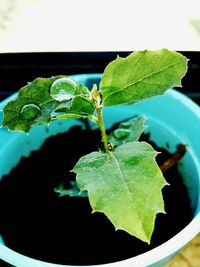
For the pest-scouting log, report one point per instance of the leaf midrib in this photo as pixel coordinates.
(127, 186)
(122, 177)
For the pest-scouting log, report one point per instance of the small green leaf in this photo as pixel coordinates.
(141, 75)
(80, 107)
(128, 131)
(125, 185)
(71, 192)
(47, 99)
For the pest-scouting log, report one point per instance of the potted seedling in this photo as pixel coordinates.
(121, 178)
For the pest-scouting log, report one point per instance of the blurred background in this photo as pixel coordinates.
(94, 25)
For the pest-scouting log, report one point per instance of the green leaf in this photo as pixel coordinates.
(127, 131)
(47, 99)
(81, 107)
(141, 75)
(71, 192)
(125, 185)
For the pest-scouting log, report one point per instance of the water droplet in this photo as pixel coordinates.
(30, 112)
(63, 89)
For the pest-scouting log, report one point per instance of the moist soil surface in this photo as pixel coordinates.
(37, 223)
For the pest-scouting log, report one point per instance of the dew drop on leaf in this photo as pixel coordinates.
(63, 89)
(30, 112)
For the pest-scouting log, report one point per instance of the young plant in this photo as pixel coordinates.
(122, 180)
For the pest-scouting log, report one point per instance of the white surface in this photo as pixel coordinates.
(101, 25)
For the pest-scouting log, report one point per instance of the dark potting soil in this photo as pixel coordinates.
(36, 222)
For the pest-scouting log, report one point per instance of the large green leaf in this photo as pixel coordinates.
(127, 131)
(47, 99)
(125, 185)
(141, 75)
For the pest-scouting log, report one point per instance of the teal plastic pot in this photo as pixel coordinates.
(172, 119)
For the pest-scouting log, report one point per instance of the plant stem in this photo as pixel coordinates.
(174, 159)
(99, 120)
(102, 128)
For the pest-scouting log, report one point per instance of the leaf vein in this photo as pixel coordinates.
(132, 69)
(122, 177)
